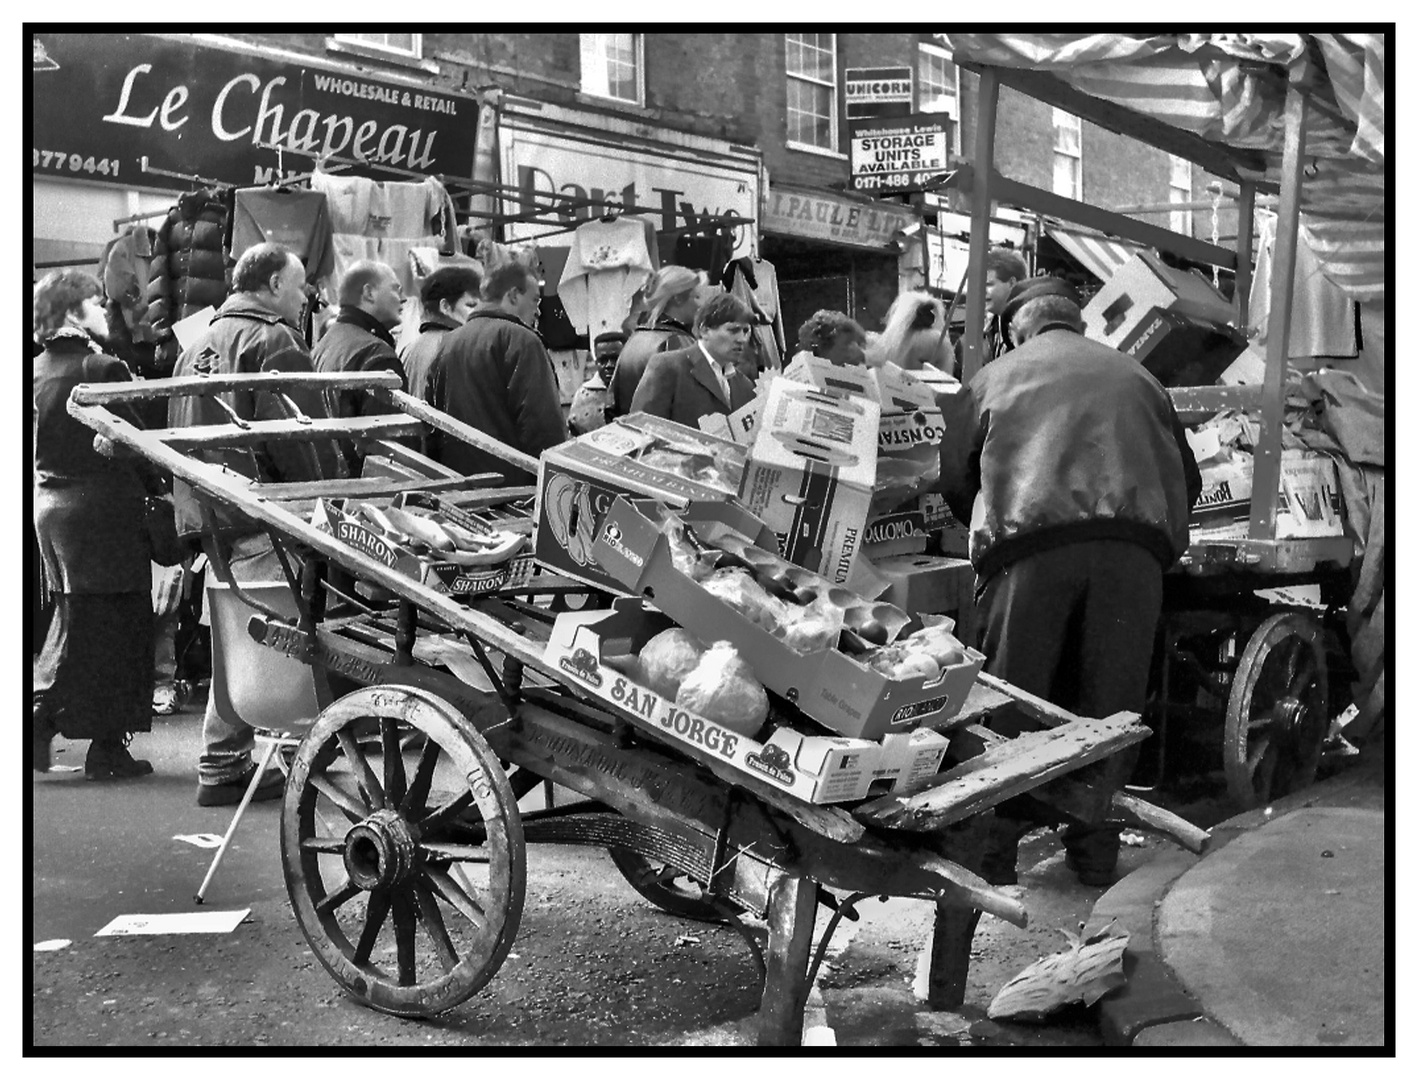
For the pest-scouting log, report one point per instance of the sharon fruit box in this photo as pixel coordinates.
(840, 691)
(585, 646)
(339, 518)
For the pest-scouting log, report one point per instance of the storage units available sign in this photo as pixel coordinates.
(103, 102)
(897, 155)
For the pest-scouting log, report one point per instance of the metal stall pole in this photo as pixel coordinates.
(1245, 242)
(1265, 487)
(984, 165)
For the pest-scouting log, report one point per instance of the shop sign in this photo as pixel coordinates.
(820, 216)
(898, 155)
(878, 91)
(103, 102)
(580, 176)
(947, 258)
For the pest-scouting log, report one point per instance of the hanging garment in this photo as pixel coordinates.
(386, 221)
(1321, 316)
(295, 219)
(608, 263)
(707, 251)
(125, 270)
(393, 253)
(755, 282)
(188, 268)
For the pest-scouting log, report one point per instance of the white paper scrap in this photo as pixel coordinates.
(52, 945)
(176, 922)
(190, 329)
(65, 768)
(201, 839)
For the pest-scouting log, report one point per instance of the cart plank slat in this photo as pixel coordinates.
(214, 436)
(1003, 771)
(436, 418)
(370, 487)
(264, 381)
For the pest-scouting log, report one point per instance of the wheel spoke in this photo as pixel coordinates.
(1257, 751)
(348, 805)
(1265, 776)
(346, 890)
(432, 920)
(374, 914)
(454, 893)
(404, 926)
(1301, 679)
(416, 798)
(1259, 725)
(455, 852)
(446, 812)
(369, 788)
(329, 845)
(393, 761)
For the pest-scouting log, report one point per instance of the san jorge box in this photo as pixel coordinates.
(811, 473)
(578, 481)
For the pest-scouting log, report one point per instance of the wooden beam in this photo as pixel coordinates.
(258, 432)
(1197, 403)
(792, 910)
(373, 487)
(1004, 771)
(1227, 162)
(194, 385)
(1245, 242)
(1265, 484)
(980, 196)
(466, 432)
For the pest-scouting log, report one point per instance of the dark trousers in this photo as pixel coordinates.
(1074, 625)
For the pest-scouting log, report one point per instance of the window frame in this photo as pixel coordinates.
(1174, 189)
(835, 114)
(939, 53)
(353, 45)
(637, 42)
(1077, 193)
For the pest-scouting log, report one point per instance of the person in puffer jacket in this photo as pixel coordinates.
(1067, 459)
(253, 330)
(188, 271)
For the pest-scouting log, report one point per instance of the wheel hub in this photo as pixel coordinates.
(1295, 722)
(380, 852)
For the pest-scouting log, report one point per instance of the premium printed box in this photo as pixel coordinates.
(815, 768)
(811, 474)
(841, 692)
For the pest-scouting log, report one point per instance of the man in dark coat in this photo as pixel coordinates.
(689, 383)
(1067, 459)
(253, 330)
(494, 374)
(359, 338)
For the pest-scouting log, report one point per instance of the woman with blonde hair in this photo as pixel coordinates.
(914, 335)
(670, 300)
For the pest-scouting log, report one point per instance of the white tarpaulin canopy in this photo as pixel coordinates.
(1230, 90)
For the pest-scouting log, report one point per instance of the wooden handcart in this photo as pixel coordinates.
(403, 846)
(1265, 666)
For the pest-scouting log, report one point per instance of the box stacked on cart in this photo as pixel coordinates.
(851, 665)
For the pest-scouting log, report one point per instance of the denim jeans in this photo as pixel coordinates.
(227, 744)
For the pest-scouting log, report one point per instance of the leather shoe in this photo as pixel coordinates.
(1091, 875)
(272, 786)
(40, 758)
(110, 760)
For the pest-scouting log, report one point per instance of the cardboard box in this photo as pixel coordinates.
(811, 473)
(330, 516)
(838, 691)
(902, 532)
(577, 482)
(814, 768)
(927, 583)
(1309, 502)
(1145, 283)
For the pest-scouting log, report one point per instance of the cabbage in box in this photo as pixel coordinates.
(815, 768)
(811, 473)
(841, 692)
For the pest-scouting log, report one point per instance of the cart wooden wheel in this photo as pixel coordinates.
(403, 851)
(1277, 714)
(667, 887)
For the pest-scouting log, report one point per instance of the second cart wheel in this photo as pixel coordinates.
(667, 887)
(403, 851)
(1277, 714)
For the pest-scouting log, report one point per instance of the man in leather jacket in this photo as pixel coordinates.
(1067, 459)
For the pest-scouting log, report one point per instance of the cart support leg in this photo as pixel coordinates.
(792, 912)
(950, 955)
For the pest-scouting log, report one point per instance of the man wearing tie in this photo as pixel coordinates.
(704, 378)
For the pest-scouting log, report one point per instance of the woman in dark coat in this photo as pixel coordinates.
(672, 299)
(93, 677)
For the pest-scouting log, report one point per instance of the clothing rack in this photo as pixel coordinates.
(289, 181)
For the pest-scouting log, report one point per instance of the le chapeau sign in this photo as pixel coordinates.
(103, 102)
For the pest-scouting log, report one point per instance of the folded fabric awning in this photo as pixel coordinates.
(1099, 255)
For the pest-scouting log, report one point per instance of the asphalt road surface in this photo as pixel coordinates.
(592, 965)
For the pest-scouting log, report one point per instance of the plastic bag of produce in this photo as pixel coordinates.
(814, 627)
(737, 588)
(667, 658)
(723, 689)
